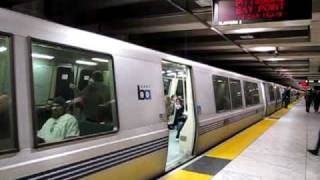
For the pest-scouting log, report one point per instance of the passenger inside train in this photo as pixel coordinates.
(60, 125)
(84, 80)
(94, 98)
(4, 113)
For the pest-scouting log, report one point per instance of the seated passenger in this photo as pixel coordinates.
(4, 116)
(4, 102)
(61, 125)
(44, 112)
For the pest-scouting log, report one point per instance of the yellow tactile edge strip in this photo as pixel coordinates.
(234, 146)
(187, 175)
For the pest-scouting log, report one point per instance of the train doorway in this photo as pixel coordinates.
(179, 112)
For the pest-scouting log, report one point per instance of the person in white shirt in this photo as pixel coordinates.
(60, 125)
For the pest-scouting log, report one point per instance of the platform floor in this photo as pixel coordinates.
(273, 149)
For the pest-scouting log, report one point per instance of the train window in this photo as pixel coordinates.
(8, 141)
(251, 93)
(166, 85)
(235, 91)
(278, 93)
(74, 93)
(221, 93)
(271, 92)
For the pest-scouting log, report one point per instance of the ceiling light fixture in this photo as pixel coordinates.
(275, 59)
(42, 56)
(89, 63)
(247, 37)
(100, 60)
(246, 30)
(2, 49)
(172, 74)
(263, 48)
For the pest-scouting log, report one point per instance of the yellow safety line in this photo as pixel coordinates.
(187, 175)
(279, 114)
(234, 146)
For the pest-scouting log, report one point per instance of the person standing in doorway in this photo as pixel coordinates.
(180, 117)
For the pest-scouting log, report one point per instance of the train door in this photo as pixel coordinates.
(179, 112)
(83, 79)
(278, 98)
(264, 97)
(63, 79)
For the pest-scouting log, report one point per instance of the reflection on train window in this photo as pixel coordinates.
(7, 119)
(221, 93)
(251, 93)
(73, 93)
(236, 95)
(271, 92)
(278, 93)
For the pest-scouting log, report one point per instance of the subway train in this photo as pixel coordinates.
(74, 104)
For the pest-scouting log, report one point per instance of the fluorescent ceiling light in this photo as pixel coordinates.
(275, 59)
(2, 49)
(263, 48)
(181, 75)
(172, 74)
(247, 37)
(100, 60)
(41, 56)
(247, 30)
(89, 63)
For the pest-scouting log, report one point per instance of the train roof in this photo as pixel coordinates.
(37, 28)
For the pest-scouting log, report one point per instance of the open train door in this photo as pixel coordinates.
(179, 112)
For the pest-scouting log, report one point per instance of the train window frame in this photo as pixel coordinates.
(32, 96)
(14, 120)
(241, 92)
(278, 93)
(214, 94)
(245, 95)
(271, 93)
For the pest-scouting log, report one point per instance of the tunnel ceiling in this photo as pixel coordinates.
(182, 27)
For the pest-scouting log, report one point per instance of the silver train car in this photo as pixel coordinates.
(116, 105)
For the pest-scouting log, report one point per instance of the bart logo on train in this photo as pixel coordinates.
(144, 92)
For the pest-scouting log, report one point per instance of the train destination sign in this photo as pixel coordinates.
(252, 11)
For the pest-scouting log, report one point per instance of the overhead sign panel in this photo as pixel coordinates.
(252, 11)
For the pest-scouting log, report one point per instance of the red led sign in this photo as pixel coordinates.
(260, 9)
(304, 85)
(248, 11)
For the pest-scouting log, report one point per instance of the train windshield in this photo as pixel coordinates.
(74, 93)
(7, 115)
